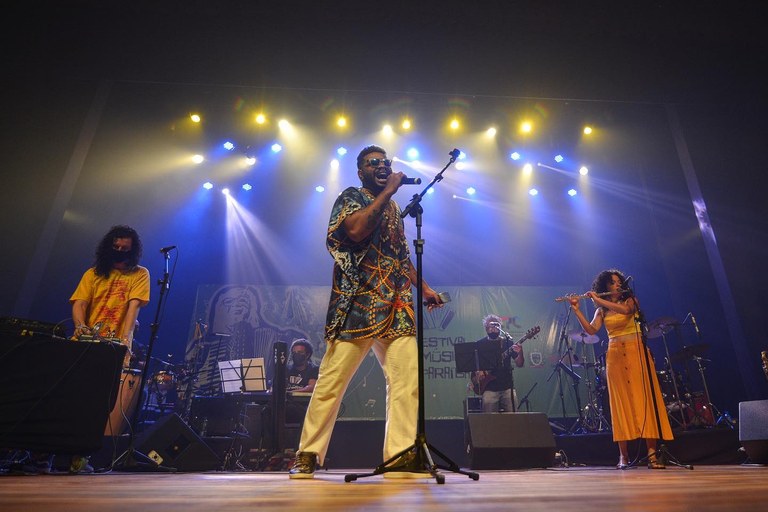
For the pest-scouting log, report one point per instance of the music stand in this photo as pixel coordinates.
(243, 375)
(477, 356)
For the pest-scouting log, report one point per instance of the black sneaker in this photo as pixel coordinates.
(304, 465)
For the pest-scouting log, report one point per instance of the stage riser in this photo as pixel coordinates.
(358, 444)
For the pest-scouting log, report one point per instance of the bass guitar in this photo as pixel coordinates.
(481, 379)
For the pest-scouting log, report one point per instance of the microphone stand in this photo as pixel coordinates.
(525, 401)
(662, 453)
(421, 448)
(512, 362)
(132, 459)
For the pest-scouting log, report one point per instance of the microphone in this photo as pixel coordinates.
(166, 249)
(625, 286)
(455, 153)
(695, 325)
(410, 181)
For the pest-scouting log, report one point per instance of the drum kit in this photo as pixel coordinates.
(686, 399)
(687, 407)
(594, 413)
(161, 392)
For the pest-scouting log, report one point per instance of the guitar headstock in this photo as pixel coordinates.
(533, 331)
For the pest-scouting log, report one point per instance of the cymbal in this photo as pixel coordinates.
(689, 352)
(582, 337)
(661, 326)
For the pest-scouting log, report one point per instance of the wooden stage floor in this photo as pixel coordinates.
(705, 488)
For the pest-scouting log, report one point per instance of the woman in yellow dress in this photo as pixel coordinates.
(628, 377)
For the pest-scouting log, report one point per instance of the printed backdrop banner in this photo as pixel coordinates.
(244, 321)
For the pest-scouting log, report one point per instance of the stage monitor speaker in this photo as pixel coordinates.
(510, 440)
(753, 430)
(172, 443)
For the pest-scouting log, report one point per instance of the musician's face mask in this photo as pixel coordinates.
(120, 256)
(121, 249)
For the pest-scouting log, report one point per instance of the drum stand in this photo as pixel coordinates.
(662, 453)
(680, 404)
(579, 426)
(721, 418)
(594, 420)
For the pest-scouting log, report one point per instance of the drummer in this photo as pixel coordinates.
(629, 382)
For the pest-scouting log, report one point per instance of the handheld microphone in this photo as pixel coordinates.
(410, 181)
(625, 286)
(166, 249)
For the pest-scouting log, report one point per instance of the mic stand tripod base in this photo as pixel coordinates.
(133, 460)
(415, 462)
(662, 455)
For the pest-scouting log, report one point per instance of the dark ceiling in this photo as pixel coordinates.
(640, 51)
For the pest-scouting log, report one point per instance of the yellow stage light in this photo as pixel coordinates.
(406, 124)
(195, 118)
(491, 132)
(454, 124)
(261, 119)
(198, 159)
(387, 129)
(526, 127)
(587, 130)
(341, 122)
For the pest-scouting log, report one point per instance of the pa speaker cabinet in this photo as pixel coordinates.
(55, 395)
(171, 442)
(510, 440)
(753, 430)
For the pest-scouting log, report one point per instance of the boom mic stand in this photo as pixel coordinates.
(421, 448)
(662, 453)
(132, 459)
(512, 363)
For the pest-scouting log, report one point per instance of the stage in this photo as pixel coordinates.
(573, 489)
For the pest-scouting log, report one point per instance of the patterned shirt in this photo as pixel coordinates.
(371, 295)
(108, 297)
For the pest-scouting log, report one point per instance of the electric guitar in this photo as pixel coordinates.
(481, 379)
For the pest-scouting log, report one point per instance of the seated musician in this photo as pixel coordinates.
(495, 385)
(302, 376)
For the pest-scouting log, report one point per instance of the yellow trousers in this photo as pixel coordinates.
(398, 358)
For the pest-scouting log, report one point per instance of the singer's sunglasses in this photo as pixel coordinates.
(375, 162)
